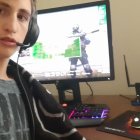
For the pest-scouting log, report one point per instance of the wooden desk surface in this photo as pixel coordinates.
(118, 104)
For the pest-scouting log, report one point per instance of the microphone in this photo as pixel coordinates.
(22, 46)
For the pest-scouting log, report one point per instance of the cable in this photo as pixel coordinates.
(92, 93)
(30, 108)
(125, 97)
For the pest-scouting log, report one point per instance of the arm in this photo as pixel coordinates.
(52, 117)
(83, 34)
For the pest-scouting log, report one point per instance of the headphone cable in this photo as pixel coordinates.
(30, 108)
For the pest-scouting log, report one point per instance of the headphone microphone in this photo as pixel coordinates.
(24, 46)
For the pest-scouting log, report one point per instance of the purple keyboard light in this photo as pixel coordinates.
(87, 114)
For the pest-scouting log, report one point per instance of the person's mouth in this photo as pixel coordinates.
(8, 41)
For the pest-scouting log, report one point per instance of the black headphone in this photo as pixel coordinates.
(33, 31)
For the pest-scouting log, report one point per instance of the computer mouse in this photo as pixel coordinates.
(135, 123)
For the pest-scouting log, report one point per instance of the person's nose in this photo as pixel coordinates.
(11, 25)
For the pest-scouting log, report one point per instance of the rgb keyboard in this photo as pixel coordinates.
(87, 114)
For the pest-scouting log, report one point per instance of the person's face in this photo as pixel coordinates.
(14, 20)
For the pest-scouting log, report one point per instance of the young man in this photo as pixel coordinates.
(27, 110)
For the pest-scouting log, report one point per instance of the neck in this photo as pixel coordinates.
(3, 69)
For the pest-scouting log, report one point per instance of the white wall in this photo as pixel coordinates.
(125, 15)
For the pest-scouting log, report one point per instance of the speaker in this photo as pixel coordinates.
(33, 31)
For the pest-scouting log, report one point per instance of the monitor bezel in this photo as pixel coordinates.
(109, 28)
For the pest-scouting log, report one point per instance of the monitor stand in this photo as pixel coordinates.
(69, 92)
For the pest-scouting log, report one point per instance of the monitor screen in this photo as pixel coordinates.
(75, 42)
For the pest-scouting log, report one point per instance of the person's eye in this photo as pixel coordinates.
(1, 10)
(23, 18)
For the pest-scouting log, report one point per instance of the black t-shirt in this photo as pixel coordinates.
(13, 117)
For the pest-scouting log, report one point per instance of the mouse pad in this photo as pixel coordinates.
(121, 126)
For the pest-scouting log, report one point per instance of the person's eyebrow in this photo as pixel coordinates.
(27, 12)
(4, 4)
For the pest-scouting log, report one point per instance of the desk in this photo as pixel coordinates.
(117, 104)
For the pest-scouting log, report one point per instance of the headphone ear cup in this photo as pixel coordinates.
(33, 31)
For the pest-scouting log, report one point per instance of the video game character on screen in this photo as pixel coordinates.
(84, 41)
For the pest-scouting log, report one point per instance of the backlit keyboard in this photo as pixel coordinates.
(87, 114)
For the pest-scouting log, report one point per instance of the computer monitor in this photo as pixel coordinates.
(74, 45)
